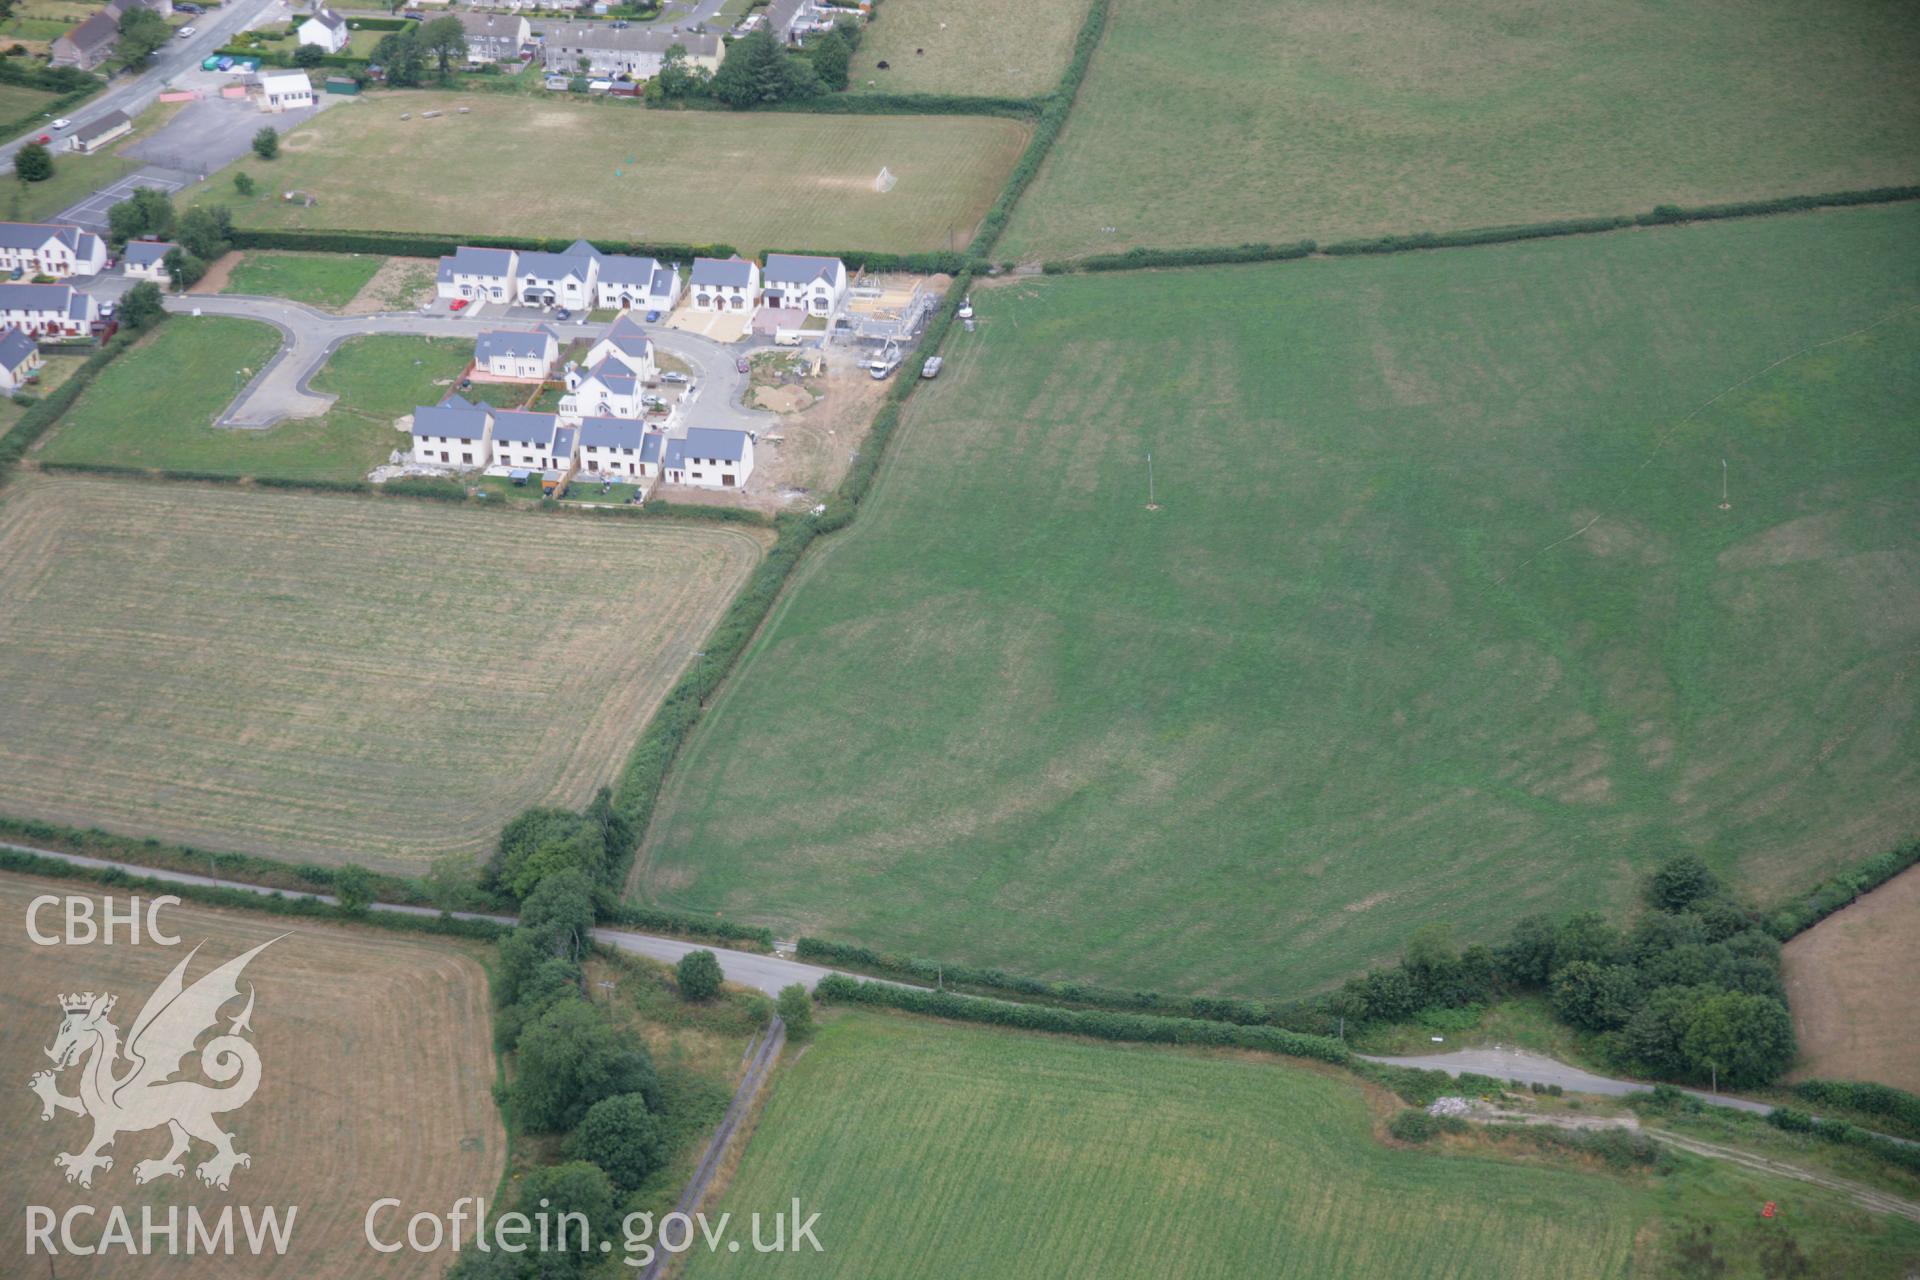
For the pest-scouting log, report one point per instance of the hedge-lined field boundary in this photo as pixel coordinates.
(47, 78)
(1881, 1100)
(1840, 890)
(1660, 216)
(37, 420)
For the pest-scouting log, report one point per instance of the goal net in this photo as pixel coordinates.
(884, 183)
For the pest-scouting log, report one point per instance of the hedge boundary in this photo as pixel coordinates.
(1869, 1099)
(10, 73)
(1660, 216)
(1839, 890)
(1097, 1024)
(35, 422)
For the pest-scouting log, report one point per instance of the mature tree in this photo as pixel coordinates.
(795, 1007)
(623, 1136)
(1739, 1039)
(1429, 948)
(1681, 881)
(141, 32)
(674, 79)
(1656, 1034)
(243, 181)
(551, 980)
(443, 40)
(400, 54)
(352, 884)
(578, 1187)
(617, 838)
(146, 212)
(569, 1059)
(205, 233)
(758, 70)
(140, 305)
(266, 143)
(309, 55)
(540, 842)
(6, 12)
(1595, 997)
(184, 269)
(559, 911)
(831, 56)
(1586, 936)
(1526, 958)
(33, 163)
(699, 975)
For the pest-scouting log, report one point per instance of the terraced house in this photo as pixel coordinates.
(602, 49)
(494, 37)
(48, 310)
(50, 249)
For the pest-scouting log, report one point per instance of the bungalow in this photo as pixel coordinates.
(478, 273)
(48, 310)
(521, 354)
(710, 458)
(19, 357)
(619, 447)
(89, 44)
(95, 134)
(147, 260)
(607, 390)
(326, 29)
(559, 279)
(494, 37)
(602, 49)
(50, 249)
(628, 344)
(725, 284)
(453, 433)
(284, 91)
(641, 284)
(523, 439)
(815, 285)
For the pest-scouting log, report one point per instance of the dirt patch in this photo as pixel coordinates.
(300, 140)
(1850, 982)
(790, 399)
(401, 284)
(219, 271)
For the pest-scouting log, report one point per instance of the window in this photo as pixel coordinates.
(466, 457)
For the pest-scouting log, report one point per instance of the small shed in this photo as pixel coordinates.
(345, 85)
(96, 134)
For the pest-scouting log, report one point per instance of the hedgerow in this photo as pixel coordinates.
(1140, 259)
(1870, 1099)
(910, 104)
(36, 421)
(1906, 1155)
(421, 244)
(660, 920)
(1840, 890)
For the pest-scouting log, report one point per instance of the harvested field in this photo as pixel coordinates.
(333, 679)
(755, 181)
(1854, 984)
(376, 1069)
(1218, 122)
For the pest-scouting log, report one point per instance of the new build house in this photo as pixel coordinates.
(453, 433)
(817, 286)
(19, 357)
(48, 310)
(638, 283)
(478, 273)
(607, 390)
(147, 260)
(619, 448)
(494, 37)
(523, 439)
(326, 29)
(579, 277)
(50, 249)
(520, 355)
(709, 458)
(627, 343)
(602, 49)
(725, 284)
(563, 279)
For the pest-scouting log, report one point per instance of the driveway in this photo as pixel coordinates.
(308, 337)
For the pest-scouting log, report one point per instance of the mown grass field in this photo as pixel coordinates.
(1439, 619)
(155, 406)
(1220, 123)
(752, 181)
(1001, 48)
(920, 1143)
(1856, 1008)
(323, 279)
(330, 678)
(376, 1080)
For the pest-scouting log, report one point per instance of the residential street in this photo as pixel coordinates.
(281, 389)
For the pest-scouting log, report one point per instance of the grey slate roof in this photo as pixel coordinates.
(98, 32)
(563, 442)
(611, 433)
(512, 426)
(146, 252)
(469, 261)
(521, 344)
(627, 335)
(328, 19)
(722, 443)
(445, 420)
(736, 271)
(615, 377)
(36, 297)
(454, 401)
(15, 347)
(798, 268)
(105, 125)
(557, 266)
(591, 36)
(32, 235)
(617, 268)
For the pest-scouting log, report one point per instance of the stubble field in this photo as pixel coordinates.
(376, 1070)
(1440, 618)
(1227, 121)
(755, 181)
(1850, 980)
(325, 678)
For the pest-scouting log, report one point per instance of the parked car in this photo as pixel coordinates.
(188, 8)
(44, 138)
(966, 308)
(741, 364)
(931, 369)
(186, 33)
(653, 317)
(62, 123)
(106, 311)
(673, 376)
(561, 313)
(458, 304)
(225, 63)
(111, 263)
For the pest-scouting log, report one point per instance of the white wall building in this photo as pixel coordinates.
(50, 249)
(523, 439)
(525, 355)
(625, 343)
(48, 310)
(817, 286)
(559, 279)
(453, 433)
(709, 458)
(326, 29)
(619, 448)
(19, 357)
(147, 260)
(725, 284)
(638, 283)
(608, 390)
(284, 91)
(636, 52)
(481, 274)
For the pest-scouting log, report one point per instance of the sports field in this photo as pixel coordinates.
(994, 48)
(755, 181)
(1440, 618)
(376, 1070)
(1850, 980)
(1216, 122)
(325, 678)
(919, 1143)
(155, 406)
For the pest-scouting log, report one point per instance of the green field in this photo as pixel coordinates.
(752, 181)
(17, 100)
(155, 406)
(324, 279)
(999, 48)
(1216, 122)
(1440, 617)
(922, 1144)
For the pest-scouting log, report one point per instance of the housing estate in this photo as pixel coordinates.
(95, 134)
(283, 91)
(50, 249)
(709, 458)
(725, 284)
(19, 357)
(326, 29)
(615, 447)
(602, 49)
(88, 44)
(563, 279)
(626, 342)
(147, 260)
(48, 310)
(640, 283)
(494, 37)
(578, 277)
(478, 273)
(521, 355)
(817, 286)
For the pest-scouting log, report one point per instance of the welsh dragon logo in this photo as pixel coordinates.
(129, 1089)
